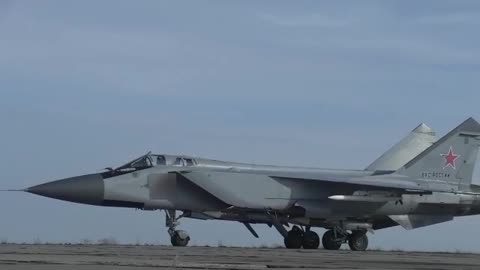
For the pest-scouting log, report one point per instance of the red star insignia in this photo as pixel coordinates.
(450, 159)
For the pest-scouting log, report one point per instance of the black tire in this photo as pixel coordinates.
(311, 240)
(180, 239)
(358, 241)
(294, 239)
(328, 241)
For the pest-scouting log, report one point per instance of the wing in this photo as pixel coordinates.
(280, 190)
(384, 181)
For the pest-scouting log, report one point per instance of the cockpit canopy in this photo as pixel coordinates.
(150, 160)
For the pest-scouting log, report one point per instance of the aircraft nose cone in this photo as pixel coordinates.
(87, 189)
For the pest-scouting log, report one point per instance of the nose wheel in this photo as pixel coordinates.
(178, 238)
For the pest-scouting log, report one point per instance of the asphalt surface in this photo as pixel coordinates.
(79, 257)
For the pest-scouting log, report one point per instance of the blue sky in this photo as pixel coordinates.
(90, 84)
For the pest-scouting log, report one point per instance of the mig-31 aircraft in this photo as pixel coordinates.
(419, 182)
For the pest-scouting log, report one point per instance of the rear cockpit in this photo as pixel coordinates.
(172, 160)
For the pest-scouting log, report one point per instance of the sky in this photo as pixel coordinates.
(89, 84)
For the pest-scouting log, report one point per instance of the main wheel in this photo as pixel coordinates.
(294, 239)
(311, 240)
(180, 239)
(329, 242)
(358, 241)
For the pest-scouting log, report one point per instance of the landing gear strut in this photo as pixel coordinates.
(334, 238)
(330, 241)
(178, 238)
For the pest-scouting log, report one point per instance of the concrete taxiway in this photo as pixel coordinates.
(79, 257)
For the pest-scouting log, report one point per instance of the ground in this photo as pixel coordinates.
(105, 257)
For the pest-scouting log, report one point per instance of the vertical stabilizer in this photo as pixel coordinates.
(405, 150)
(451, 159)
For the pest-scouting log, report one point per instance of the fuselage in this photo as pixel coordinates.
(157, 186)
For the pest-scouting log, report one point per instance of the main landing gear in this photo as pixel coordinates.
(297, 238)
(334, 238)
(178, 238)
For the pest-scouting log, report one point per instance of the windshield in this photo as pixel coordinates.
(141, 163)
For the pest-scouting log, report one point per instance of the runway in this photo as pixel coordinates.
(79, 257)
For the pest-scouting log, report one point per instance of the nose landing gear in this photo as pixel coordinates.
(178, 238)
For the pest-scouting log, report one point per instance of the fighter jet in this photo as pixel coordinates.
(419, 182)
